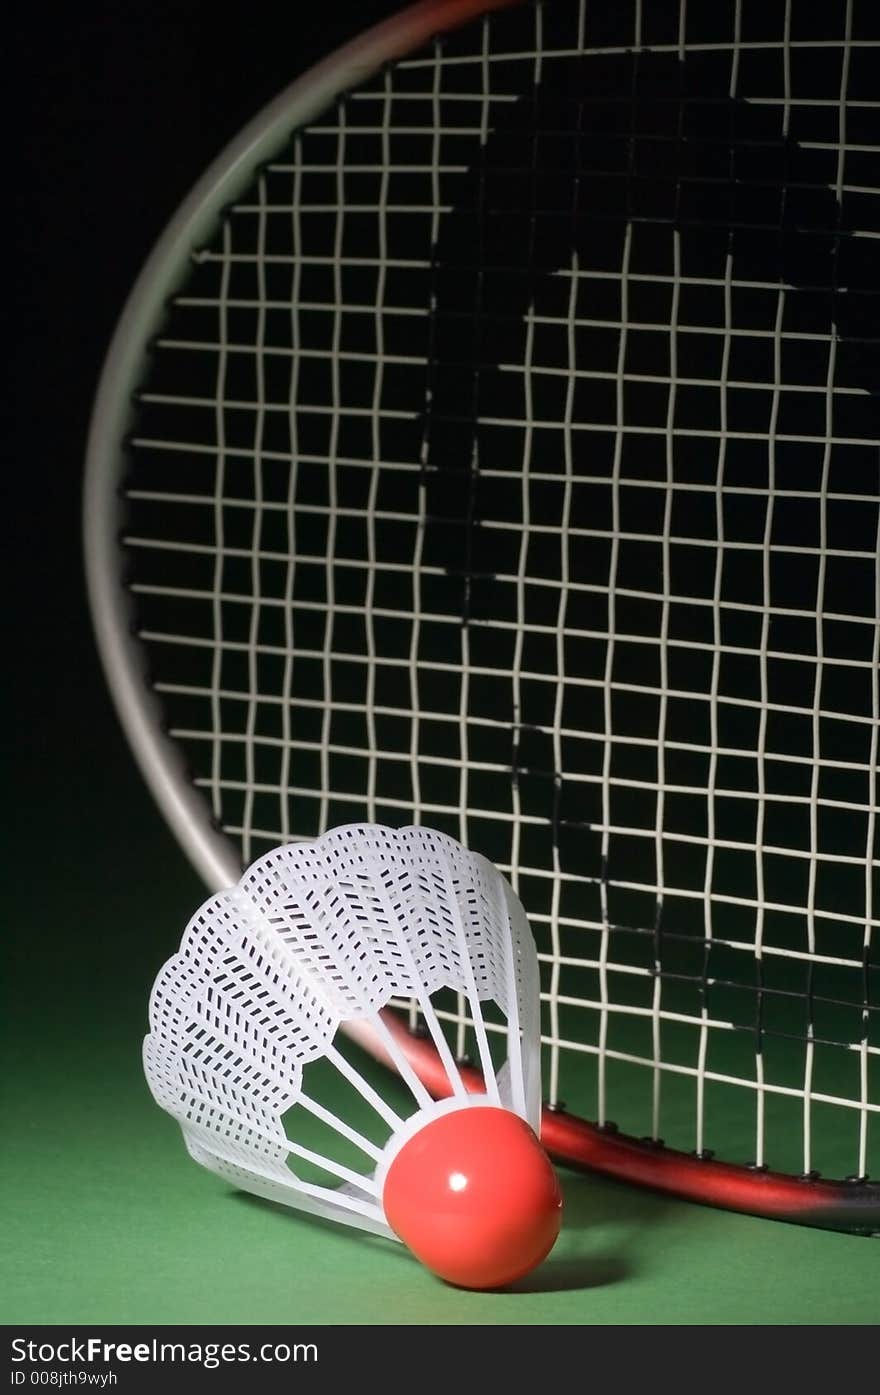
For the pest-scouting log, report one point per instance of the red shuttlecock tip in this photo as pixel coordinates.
(475, 1197)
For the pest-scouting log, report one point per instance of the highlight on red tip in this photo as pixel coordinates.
(475, 1197)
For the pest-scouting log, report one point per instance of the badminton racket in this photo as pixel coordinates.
(491, 442)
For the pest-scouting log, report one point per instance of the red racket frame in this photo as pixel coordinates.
(852, 1204)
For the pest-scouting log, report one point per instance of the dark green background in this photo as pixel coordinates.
(105, 1217)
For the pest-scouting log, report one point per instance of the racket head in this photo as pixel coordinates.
(632, 904)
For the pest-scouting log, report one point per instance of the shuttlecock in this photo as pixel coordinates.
(323, 934)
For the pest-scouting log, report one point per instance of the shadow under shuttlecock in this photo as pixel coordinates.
(594, 1204)
(554, 1276)
(571, 1273)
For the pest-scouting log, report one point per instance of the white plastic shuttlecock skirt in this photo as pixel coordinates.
(320, 934)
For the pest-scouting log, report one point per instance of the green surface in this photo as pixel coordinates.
(113, 1223)
(108, 1220)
